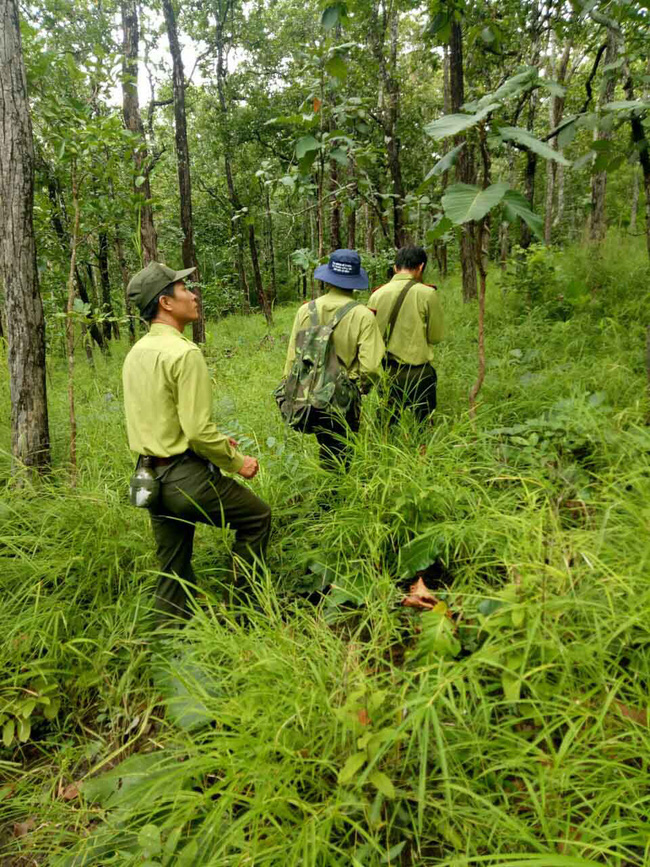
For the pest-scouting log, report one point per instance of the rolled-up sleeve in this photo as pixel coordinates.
(435, 317)
(371, 348)
(194, 406)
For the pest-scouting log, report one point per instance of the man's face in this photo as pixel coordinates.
(182, 305)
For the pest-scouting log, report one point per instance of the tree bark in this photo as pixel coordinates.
(598, 222)
(352, 219)
(111, 328)
(465, 164)
(640, 140)
(69, 327)
(385, 23)
(634, 207)
(183, 164)
(335, 208)
(558, 72)
(53, 192)
(259, 285)
(30, 440)
(133, 122)
(235, 204)
(121, 258)
(271, 247)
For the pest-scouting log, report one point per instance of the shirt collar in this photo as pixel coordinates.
(401, 277)
(335, 292)
(157, 329)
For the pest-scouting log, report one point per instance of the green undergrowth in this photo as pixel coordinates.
(505, 725)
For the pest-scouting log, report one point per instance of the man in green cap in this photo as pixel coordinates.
(168, 403)
(410, 319)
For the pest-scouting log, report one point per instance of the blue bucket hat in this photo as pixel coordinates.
(343, 270)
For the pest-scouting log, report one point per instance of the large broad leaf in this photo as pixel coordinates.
(305, 144)
(336, 67)
(333, 14)
(465, 202)
(528, 140)
(419, 554)
(516, 205)
(515, 85)
(441, 228)
(625, 104)
(444, 164)
(452, 124)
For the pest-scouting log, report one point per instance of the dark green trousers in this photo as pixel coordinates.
(192, 490)
(410, 386)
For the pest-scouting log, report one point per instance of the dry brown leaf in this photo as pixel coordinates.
(637, 715)
(21, 829)
(364, 719)
(419, 596)
(317, 105)
(70, 792)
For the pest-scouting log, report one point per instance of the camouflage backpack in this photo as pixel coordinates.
(317, 385)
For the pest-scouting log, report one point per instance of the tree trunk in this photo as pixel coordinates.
(121, 258)
(133, 122)
(271, 248)
(259, 285)
(483, 236)
(634, 207)
(30, 440)
(598, 223)
(643, 147)
(183, 164)
(385, 23)
(53, 192)
(235, 204)
(465, 163)
(335, 208)
(69, 327)
(111, 328)
(370, 230)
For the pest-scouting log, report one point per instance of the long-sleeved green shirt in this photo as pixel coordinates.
(168, 400)
(419, 323)
(357, 341)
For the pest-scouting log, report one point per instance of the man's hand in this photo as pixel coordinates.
(250, 467)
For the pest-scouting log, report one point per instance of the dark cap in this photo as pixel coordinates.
(146, 284)
(343, 270)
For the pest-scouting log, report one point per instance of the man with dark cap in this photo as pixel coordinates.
(357, 343)
(410, 319)
(168, 403)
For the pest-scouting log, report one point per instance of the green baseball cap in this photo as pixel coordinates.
(146, 284)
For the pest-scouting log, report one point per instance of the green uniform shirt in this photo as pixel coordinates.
(357, 341)
(419, 324)
(168, 400)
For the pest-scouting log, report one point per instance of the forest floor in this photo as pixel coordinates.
(506, 725)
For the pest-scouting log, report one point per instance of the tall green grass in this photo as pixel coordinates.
(508, 726)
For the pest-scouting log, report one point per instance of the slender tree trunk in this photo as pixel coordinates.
(370, 230)
(385, 24)
(183, 164)
(53, 191)
(30, 440)
(235, 204)
(121, 258)
(598, 223)
(320, 211)
(259, 285)
(643, 146)
(554, 172)
(634, 206)
(465, 163)
(133, 122)
(69, 327)
(352, 217)
(335, 208)
(481, 252)
(111, 328)
(271, 247)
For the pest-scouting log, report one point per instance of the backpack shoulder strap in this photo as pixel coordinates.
(313, 314)
(394, 313)
(341, 312)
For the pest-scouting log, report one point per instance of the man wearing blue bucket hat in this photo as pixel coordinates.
(358, 344)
